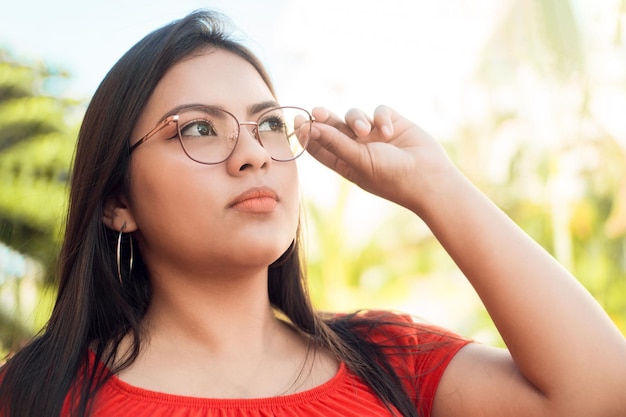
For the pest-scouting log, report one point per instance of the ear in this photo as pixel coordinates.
(117, 214)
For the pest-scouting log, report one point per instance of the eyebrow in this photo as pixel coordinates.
(252, 109)
(264, 105)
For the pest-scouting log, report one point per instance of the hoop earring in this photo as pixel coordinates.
(119, 254)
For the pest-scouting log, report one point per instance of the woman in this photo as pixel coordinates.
(181, 288)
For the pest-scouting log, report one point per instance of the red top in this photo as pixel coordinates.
(343, 395)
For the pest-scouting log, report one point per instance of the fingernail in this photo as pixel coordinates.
(387, 132)
(362, 125)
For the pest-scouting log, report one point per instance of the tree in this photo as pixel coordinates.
(36, 144)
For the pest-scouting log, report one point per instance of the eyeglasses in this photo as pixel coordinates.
(208, 134)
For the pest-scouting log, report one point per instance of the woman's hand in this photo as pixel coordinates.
(386, 155)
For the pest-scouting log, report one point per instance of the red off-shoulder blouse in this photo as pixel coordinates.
(420, 365)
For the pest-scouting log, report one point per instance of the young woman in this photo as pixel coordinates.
(182, 292)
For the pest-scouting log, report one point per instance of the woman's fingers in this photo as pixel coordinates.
(337, 151)
(342, 144)
(332, 141)
(359, 125)
(326, 117)
(359, 122)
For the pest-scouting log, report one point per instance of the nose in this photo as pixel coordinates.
(249, 153)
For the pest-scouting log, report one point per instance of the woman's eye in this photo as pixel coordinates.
(273, 124)
(198, 128)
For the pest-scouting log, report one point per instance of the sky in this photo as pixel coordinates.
(318, 50)
(87, 37)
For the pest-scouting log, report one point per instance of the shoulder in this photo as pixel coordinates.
(391, 328)
(416, 351)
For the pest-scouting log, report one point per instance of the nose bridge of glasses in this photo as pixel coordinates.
(253, 129)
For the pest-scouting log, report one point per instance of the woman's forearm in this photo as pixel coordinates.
(560, 338)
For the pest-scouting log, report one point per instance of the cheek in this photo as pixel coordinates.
(166, 198)
(150, 188)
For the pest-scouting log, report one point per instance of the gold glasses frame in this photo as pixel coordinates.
(175, 118)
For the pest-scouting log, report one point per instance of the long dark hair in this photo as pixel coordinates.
(93, 310)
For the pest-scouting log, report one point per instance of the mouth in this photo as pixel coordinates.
(256, 200)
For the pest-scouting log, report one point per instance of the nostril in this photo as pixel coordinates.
(251, 166)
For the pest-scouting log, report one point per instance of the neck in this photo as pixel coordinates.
(218, 337)
(216, 314)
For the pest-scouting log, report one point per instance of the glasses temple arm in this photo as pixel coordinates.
(154, 131)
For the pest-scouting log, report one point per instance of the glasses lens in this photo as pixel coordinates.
(208, 135)
(284, 132)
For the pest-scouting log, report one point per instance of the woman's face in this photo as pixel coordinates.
(210, 219)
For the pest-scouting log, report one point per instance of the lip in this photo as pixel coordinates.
(256, 200)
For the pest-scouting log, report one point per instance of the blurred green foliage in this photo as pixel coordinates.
(36, 144)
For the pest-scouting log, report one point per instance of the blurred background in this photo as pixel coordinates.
(528, 97)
